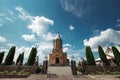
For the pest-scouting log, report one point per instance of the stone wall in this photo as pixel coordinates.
(30, 69)
(91, 69)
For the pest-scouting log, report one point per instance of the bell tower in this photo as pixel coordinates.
(57, 56)
(57, 42)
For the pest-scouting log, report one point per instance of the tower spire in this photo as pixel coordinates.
(57, 36)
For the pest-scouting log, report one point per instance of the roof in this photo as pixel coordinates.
(57, 36)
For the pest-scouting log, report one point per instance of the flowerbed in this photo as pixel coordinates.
(14, 74)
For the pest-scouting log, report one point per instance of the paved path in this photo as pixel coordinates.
(59, 70)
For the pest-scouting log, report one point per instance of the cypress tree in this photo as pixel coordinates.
(20, 58)
(89, 56)
(32, 56)
(9, 58)
(116, 54)
(1, 56)
(102, 55)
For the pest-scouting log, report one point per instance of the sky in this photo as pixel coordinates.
(27, 23)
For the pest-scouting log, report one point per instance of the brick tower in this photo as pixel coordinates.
(57, 56)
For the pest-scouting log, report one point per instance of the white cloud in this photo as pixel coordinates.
(106, 38)
(79, 8)
(10, 44)
(1, 14)
(2, 39)
(10, 12)
(23, 14)
(118, 25)
(71, 27)
(67, 45)
(66, 49)
(48, 36)
(118, 20)
(40, 25)
(9, 19)
(29, 37)
(0, 24)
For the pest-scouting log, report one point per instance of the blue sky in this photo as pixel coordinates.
(28, 23)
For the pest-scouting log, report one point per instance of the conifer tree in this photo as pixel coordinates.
(102, 55)
(1, 56)
(10, 56)
(116, 54)
(89, 56)
(20, 59)
(32, 56)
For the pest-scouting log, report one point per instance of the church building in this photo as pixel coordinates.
(57, 56)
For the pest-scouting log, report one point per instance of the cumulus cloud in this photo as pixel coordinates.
(67, 45)
(29, 37)
(71, 27)
(40, 25)
(48, 37)
(106, 38)
(2, 39)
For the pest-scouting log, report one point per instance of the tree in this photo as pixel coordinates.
(9, 58)
(1, 56)
(20, 59)
(102, 55)
(116, 54)
(89, 56)
(32, 56)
